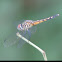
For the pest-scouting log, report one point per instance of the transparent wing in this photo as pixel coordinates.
(12, 38)
(22, 42)
(33, 29)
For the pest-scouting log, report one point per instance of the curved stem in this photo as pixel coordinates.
(29, 42)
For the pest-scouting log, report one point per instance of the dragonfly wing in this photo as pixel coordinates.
(33, 29)
(10, 40)
(27, 35)
(13, 39)
(21, 42)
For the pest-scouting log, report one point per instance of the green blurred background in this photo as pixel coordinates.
(48, 35)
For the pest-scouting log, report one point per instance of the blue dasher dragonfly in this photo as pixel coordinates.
(25, 29)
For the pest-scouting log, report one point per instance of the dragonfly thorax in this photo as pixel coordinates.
(24, 26)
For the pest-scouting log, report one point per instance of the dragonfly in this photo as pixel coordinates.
(25, 30)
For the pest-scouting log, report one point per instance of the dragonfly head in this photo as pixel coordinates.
(19, 27)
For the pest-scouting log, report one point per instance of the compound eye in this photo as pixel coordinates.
(19, 25)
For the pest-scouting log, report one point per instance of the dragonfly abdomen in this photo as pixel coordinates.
(42, 20)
